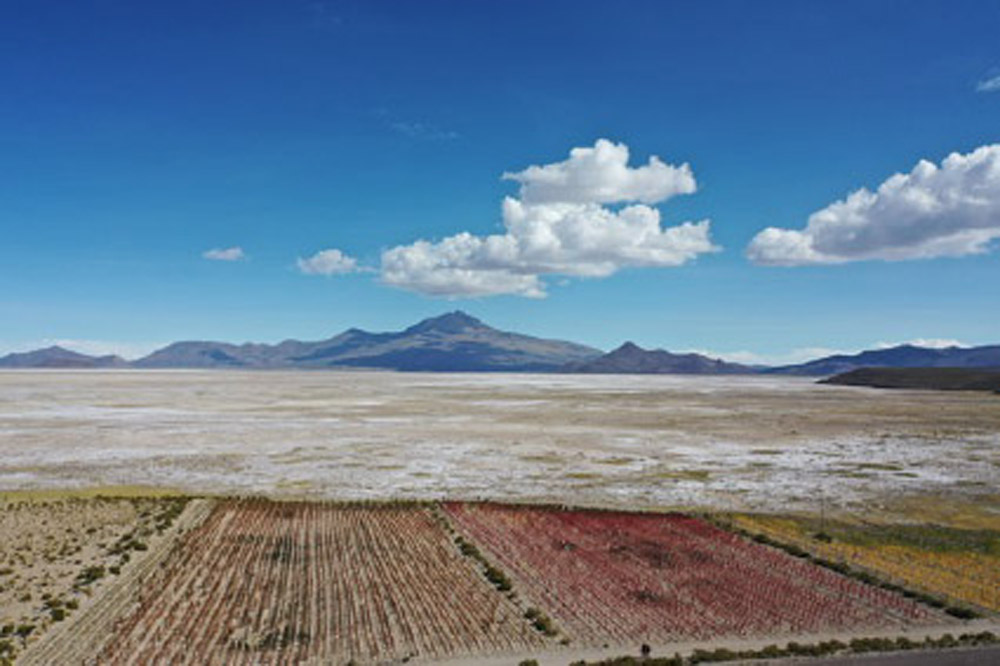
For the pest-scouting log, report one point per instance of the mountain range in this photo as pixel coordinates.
(58, 357)
(453, 342)
(901, 356)
(457, 342)
(630, 358)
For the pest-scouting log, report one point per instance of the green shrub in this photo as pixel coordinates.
(497, 577)
(961, 613)
(90, 574)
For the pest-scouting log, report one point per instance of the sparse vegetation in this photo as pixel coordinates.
(54, 553)
(793, 649)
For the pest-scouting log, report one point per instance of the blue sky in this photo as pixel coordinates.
(136, 137)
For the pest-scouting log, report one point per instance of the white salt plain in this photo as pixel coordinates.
(767, 443)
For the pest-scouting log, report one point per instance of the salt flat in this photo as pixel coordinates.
(770, 443)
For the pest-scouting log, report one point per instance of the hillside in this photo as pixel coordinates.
(451, 342)
(57, 357)
(630, 358)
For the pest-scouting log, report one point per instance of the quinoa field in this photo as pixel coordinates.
(960, 564)
(262, 582)
(258, 581)
(609, 576)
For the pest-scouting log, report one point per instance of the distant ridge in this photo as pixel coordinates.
(630, 358)
(902, 356)
(453, 342)
(458, 342)
(58, 357)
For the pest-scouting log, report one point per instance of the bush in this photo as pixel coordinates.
(497, 577)
(961, 613)
(90, 574)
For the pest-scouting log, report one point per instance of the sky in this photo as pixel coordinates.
(763, 180)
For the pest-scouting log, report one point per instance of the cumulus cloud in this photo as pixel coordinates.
(327, 262)
(602, 175)
(989, 85)
(225, 254)
(949, 210)
(560, 225)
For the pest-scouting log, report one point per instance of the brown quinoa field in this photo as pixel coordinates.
(263, 582)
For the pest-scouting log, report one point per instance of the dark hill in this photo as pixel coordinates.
(941, 379)
(633, 359)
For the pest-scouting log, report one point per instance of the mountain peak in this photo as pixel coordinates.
(450, 322)
(56, 349)
(628, 347)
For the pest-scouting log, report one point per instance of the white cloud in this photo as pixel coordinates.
(989, 85)
(559, 226)
(327, 262)
(947, 211)
(602, 175)
(225, 254)
(805, 354)
(792, 357)
(929, 343)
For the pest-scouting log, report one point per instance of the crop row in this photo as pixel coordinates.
(263, 582)
(613, 576)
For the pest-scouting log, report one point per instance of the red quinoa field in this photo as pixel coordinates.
(606, 576)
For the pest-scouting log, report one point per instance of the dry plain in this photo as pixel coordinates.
(740, 448)
(740, 443)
